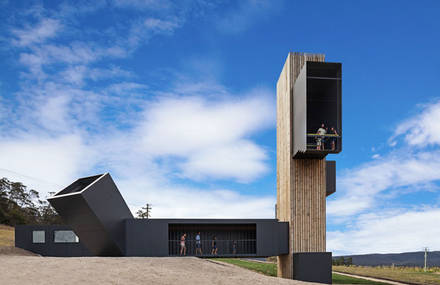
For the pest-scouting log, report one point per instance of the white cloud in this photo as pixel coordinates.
(359, 189)
(142, 31)
(74, 74)
(210, 136)
(124, 87)
(143, 4)
(240, 160)
(190, 202)
(365, 202)
(160, 26)
(45, 29)
(389, 231)
(422, 129)
(222, 149)
(62, 126)
(78, 74)
(54, 114)
(179, 126)
(46, 162)
(246, 13)
(410, 165)
(76, 52)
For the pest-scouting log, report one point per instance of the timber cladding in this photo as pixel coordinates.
(301, 183)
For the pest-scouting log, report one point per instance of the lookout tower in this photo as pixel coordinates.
(309, 126)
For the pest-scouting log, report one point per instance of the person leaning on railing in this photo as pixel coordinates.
(333, 139)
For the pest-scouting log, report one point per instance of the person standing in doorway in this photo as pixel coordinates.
(198, 244)
(182, 244)
(234, 247)
(214, 246)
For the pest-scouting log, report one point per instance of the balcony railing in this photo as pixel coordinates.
(247, 247)
(329, 142)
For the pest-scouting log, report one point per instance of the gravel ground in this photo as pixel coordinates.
(12, 250)
(127, 270)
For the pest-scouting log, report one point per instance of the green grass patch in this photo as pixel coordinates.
(414, 275)
(270, 269)
(260, 267)
(341, 279)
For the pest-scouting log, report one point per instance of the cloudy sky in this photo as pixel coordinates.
(176, 99)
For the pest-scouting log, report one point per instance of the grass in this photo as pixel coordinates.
(341, 279)
(271, 270)
(260, 267)
(414, 275)
(6, 236)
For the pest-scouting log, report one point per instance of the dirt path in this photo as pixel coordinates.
(371, 278)
(127, 270)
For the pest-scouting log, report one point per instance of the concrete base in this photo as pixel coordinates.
(313, 267)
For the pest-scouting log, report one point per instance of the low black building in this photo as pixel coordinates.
(99, 223)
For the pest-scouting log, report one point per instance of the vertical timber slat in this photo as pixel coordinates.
(300, 182)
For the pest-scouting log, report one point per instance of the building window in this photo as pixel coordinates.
(38, 237)
(65, 237)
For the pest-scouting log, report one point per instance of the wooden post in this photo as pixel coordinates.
(301, 188)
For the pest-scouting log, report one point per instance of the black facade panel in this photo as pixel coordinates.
(23, 239)
(313, 267)
(317, 99)
(283, 238)
(96, 213)
(330, 177)
(110, 208)
(272, 238)
(146, 237)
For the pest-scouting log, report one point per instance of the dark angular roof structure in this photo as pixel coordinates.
(95, 209)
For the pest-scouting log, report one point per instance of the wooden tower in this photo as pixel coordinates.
(301, 178)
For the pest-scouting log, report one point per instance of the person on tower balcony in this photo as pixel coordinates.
(320, 139)
(333, 139)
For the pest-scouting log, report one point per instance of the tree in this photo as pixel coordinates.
(47, 214)
(20, 205)
(144, 212)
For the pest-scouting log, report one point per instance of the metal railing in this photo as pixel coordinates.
(246, 247)
(329, 142)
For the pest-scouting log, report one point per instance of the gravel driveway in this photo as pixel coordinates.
(126, 270)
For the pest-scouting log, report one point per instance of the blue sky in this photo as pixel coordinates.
(176, 99)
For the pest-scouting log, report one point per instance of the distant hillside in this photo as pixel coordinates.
(406, 258)
(6, 235)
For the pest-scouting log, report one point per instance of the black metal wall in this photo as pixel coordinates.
(272, 238)
(146, 237)
(313, 267)
(330, 177)
(23, 239)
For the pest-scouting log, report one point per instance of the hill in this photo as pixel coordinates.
(399, 259)
(6, 235)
